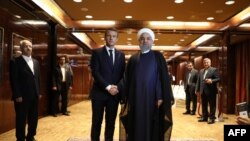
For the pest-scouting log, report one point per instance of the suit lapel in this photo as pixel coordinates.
(209, 71)
(26, 66)
(35, 67)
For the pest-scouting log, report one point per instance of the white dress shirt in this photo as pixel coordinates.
(29, 61)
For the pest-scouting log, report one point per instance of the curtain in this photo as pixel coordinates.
(242, 71)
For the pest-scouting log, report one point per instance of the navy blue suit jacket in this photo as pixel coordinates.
(105, 73)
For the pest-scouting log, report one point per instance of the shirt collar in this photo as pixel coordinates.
(144, 52)
(109, 48)
(27, 58)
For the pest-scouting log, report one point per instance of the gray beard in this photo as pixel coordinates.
(145, 48)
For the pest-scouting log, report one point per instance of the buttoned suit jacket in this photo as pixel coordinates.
(105, 73)
(57, 77)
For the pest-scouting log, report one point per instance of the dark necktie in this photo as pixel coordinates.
(111, 56)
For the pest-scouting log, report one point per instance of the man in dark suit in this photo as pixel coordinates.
(207, 88)
(107, 66)
(190, 83)
(25, 84)
(61, 81)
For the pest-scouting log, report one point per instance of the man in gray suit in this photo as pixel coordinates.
(190, 83)
(207, 88)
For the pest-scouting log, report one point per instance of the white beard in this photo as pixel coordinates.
(145, 48)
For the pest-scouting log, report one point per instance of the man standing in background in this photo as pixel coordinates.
(62, 82)
(207, 87)
(25, 84)
(190, 83)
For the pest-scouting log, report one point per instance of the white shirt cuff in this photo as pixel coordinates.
(108, 87)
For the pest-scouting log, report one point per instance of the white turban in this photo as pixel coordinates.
(146, 30)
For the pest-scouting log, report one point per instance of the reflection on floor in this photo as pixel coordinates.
(76, 127)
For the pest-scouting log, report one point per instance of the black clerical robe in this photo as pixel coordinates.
(147, 80)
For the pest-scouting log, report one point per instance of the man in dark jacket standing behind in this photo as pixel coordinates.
(62, 81)
(25, 84)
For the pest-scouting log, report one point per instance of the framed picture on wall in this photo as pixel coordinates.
(16, 38)
(1, 52)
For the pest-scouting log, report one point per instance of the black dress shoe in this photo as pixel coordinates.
(54, 115)
(211, 121)
(192, 113)
(186, 113)
(66, 114)
(202, 120)
(31, 139)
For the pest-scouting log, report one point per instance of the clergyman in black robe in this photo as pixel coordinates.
(146, 114)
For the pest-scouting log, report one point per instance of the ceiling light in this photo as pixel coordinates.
(178, 1)
(245, 25)
(98, 23)
(170, 17)
(83, 38)
(84, 9)
(176, 24)
(34, 22)
(202, 39)
(219, 11)
(210, 18)
(17, 16)
(61, 38)
(128, 1)
(229, 2)
(246, 16)
(53, 10)
(89, 16)
(128, 17)
(178, 53)
(77, 0)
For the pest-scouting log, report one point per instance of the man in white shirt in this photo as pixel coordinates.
(62, 82)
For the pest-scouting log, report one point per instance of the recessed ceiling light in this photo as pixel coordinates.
(170, 17)
(77, 0)
(84, 9)
(128, 17)
(178, 1)
(89, 16)
(219, 11)
(128, 1)
(61, 38)
(17, 16)
(229, 2)
(210, 18)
